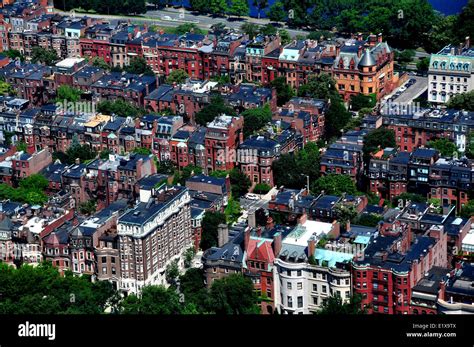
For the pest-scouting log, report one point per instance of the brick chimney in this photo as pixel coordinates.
(303, 219)
(359, 51)
(336, 229)
(359, 37)
(442, 290)
(276, 245)
(467, 42)
(311, 247)
(246, 238)
(380, 38)
(251, 219)
(222, 234)
(137, 123)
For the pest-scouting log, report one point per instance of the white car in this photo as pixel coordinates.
(251, 196)
(165, 17)
(402, 89)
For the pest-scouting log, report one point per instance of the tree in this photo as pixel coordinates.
(78, 151)
(187, 28)
(261, 188)
(178, 76)
(88, 207)
(260, 5)
(233, 294)
(402, 199)
(218, 7)
(209, 225)
(172, 273)
(368, 219)
(199, 5)
(142, 150)
(153, 300)
(138, 65)
(239, 8)
(334, 305)
(378, 139)
(44, 56)
(250, 29)
(465, 22)
(100, 63)
(194, 290)
(423, 64)
(283, 90)
(268, 30)
(232, 211)
(467, 211)
(256, 118)
(463, 101)
(68, 93)
(165, 167)
(215, 108)
(120, 108)
(291, 171)
(333, 184)
(189, 256)
(444, 146)
(14, 54)
(239, 183)
(276, 12)
(6, 88)
(361, 101)
(284, 36)
(21, 146)
(34, 182)
(405, 56)
(187, 172)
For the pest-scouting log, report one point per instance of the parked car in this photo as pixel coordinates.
(252, 196)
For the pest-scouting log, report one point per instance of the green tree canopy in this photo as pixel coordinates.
(239, 8)
(256, 118)
(44, 56)
(463, 101)
(209, 228)
(138, 65)
(215, 108)
(120, 108)
(153, 300)
(334, 305)
(177, 76)
(445, 147)
(68, 93)
(333, 184)
(276, 12)
(239, 182)
(283, 90)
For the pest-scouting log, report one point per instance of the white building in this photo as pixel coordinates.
(305, 275)
(450, 72)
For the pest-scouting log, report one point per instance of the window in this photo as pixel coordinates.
(300, 301)
(324, 289)
(298, 273)
(288, 285)
(299, 285)
(315, 288)
(290, 301)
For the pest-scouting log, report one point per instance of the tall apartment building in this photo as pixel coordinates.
(152, 234)
(451, 72)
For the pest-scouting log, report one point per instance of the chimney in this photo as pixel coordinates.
(246, 238)
(348, 225)
(335, 230)
(259, 231)
(311, 247)
(77, 161)
(302, 219)
(359, 37)
(276, 244)
(359, 51)
(241, 137)
(270, 225)
(380, 38)
(251, 219)
(467, 43)
(338, 50)
(222, 234)
(442, 290)
(137, 123)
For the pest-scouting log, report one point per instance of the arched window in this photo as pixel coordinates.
(435, 64)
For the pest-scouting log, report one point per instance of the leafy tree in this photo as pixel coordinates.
(321, 86)
(444, 146)
(368, 219)
(441, 34)
(14, 54)
(239, 8)
(153, 300)
(349, 21)
(119, 107)
(187, 28)
(138, 65)
(239, 182)
(34, 182)
(334, 305)
(276, 12)
(44, 56)
(104, 154)
(467, 211)
(405, 56)
(250, 29)
(88, 207)
(172, 273)
(100, 63)
(267, 30)
(215, 108)
(465, 22)
(336, 119)
(188, 257)
(232, 211)
(165, 167)
(261, 188)
(177, 76)
(345, 213)
(291, 170)
(194, 290)
(360, 101)
(423, 64)
(187, 172)
(218, 7)
(233, 294)
(81, 152)
(6, 88)
(21, 146)
(283, 90)
(378, 139)
(333, 184)
(284, 36)
(142, 150)
(209, 226)
(68, 93)
(199, 5)
(463, 101)
(256, 118)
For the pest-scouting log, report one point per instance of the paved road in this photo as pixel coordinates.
(248, 204)
(412, 92)
(179, 16)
